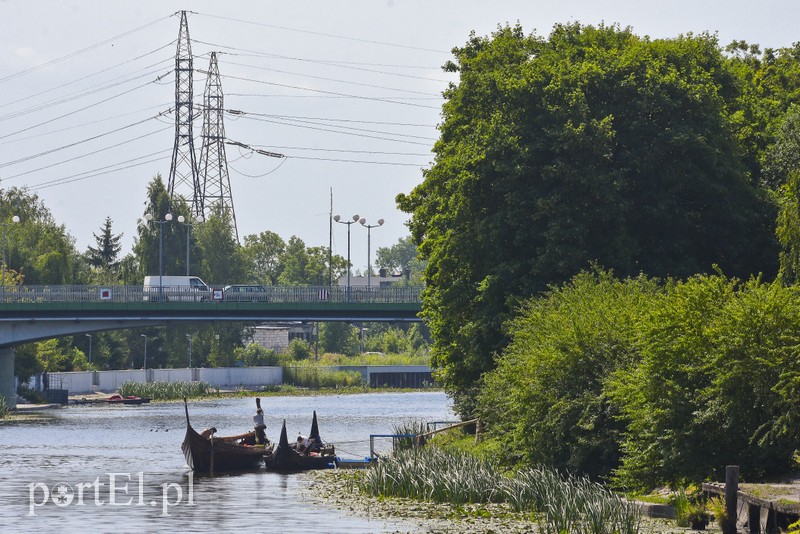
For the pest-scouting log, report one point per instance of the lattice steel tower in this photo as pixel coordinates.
(213, 169)
(183, 177)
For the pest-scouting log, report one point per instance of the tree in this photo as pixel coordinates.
(592, 145)
(38, 249)
(223, 258)
(104, 257)
(338, 338)
(263, 253)
(159, 239)
(307, 266)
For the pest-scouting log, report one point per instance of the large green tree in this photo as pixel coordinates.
(591, 145)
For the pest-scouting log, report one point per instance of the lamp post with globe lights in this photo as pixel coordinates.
(339, 220)
(369, 228)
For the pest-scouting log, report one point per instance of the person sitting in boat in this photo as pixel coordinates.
(258, 424)
(304, 445)
(208, 432)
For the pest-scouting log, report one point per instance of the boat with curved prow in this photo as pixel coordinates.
(286, 459)
(210, 454)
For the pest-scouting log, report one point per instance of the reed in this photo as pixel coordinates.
(316, 378)
(4, 409)
(570, 504)
(165, 390)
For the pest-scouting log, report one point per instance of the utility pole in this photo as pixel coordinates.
(183, 170)
(213, 169)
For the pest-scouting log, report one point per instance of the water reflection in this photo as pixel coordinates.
(83, 450)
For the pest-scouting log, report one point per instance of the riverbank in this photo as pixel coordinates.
(333, 489)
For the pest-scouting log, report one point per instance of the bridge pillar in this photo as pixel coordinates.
(7, 390)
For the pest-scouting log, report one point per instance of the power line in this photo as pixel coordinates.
(86, 140)
(34, 95)
(330, 79)
(83, 108)
(272, 121)
(81, 94)
(81, 51)
(86, 154)
(340, 64)
(330, 35)
(83, 125)
(372, 99)
(106, 169)
(315, 122)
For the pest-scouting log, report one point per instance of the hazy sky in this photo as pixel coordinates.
(350, 91)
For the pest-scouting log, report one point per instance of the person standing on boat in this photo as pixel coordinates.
(258, 424)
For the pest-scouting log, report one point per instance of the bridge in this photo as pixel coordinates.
(32, 313)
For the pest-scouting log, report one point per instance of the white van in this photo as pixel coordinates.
(175, 289)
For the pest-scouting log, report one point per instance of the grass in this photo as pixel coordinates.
(165, 390)
(560, 504)
(371, 359)
(4, 409)
(312, 377)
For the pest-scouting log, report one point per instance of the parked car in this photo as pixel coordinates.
(244, 293)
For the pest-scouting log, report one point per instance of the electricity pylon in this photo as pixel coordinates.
(183, 176)
(213, 168)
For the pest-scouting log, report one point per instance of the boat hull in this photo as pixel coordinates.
(284, 459)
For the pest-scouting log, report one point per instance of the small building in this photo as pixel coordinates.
(276, 336)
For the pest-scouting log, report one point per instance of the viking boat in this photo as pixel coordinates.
(210, 454)
(285, 458)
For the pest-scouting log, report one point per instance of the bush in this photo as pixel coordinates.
(34, 396)
(546, 400)
(299, 350)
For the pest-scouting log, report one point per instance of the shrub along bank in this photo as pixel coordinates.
(645, 383)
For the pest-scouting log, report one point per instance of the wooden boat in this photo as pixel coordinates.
(212, 454)
(286, 459)
(130, 399)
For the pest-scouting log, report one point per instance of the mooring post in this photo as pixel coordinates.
(731, 498)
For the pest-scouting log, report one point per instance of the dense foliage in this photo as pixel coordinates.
(649, 383)
(593, 145)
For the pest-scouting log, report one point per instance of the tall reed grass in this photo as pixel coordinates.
(4, 409)
(165, 390)
(570, 504)
(315, 378)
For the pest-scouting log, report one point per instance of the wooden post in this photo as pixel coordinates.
(731, 498)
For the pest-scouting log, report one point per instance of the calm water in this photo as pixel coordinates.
(82, 445)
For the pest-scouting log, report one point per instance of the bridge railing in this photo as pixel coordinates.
(275, 294)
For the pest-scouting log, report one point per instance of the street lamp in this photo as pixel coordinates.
(90, 347)
(145, 354)
(14, 220)
(167, 218)
(369, 227)
(182, 219)
(189, 337)
(337, 218)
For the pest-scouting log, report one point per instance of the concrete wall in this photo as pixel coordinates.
(224, 377)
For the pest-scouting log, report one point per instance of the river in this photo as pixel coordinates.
(121, 469)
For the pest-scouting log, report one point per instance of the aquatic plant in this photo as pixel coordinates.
(570, 504)
(4, 409)
(165, 390)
